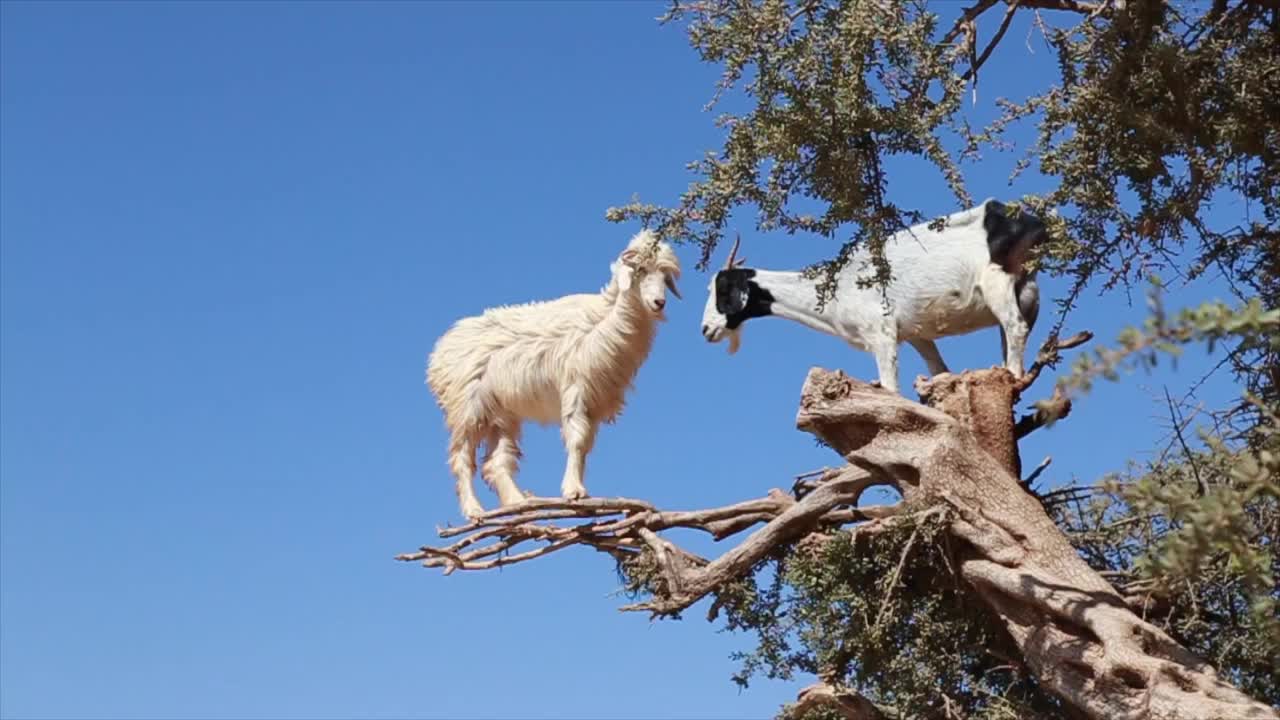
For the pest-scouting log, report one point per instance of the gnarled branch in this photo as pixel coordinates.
(624, 527)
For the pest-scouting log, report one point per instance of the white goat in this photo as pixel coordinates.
(569, 360)
(966, 276)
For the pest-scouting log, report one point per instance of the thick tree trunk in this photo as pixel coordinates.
(1075, 632)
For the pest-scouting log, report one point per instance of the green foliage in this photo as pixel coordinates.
(878, 613)
(1159, 110)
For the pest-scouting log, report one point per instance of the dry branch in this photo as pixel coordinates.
(623, 527)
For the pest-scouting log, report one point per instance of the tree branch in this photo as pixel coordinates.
(844, 704)
(1058, 405)
(624, 527)
(1050, 355)
(966, 21)
(1176, 419)
(1004, 27)
(1083, 8)
(1047, 412)
(964, 24)
(1044, 464)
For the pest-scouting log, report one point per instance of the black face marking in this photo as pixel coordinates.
(1009, 239)
(739, 298)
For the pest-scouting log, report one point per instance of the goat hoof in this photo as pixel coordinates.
(577, 493)
(472, 510)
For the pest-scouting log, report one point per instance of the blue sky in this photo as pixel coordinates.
(231, 233)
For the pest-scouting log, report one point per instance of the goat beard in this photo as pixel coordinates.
(735, 340)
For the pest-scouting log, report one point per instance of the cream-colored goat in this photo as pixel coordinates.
(569, 360)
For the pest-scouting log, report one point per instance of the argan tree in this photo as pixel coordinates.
(1149, 593)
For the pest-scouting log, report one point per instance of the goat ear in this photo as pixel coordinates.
(626, 275)
(628, 257)
(731, 295)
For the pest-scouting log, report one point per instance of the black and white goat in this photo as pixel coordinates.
(968, 275)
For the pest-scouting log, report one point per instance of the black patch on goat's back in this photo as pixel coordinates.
(1010, 238)
(739, 298)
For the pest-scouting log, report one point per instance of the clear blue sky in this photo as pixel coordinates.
(232, 232)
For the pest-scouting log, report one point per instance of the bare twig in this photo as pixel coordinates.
(1004, 27)
(807, 481)
(897, 572)
(1044, 464)
(1176, 417)
(1050, 354)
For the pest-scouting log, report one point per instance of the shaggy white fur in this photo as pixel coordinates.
(569, 360)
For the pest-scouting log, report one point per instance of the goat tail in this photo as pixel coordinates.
(455, 376)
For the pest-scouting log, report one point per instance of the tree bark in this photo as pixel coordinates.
(841, 703)
(1074, 630)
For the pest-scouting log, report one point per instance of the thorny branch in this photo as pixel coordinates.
(1178, 424)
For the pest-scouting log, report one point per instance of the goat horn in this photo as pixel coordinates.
(733, 252)
(671, 285)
